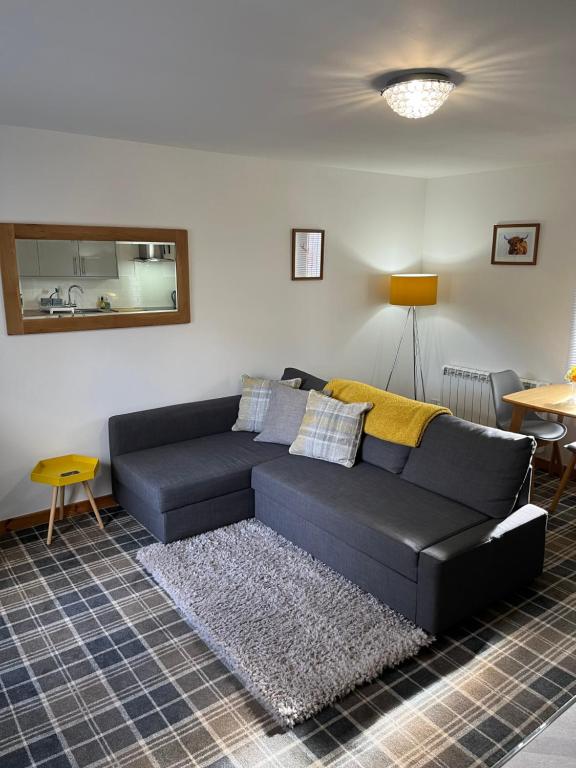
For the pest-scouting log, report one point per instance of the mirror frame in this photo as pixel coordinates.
(16, 324)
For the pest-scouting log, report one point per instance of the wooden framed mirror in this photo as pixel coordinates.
(307, 254)
(75, 278)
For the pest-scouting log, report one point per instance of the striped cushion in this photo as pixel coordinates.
(254, 402)
(330, 430)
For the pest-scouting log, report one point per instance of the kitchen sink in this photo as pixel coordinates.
(94, 311)
(77, 311)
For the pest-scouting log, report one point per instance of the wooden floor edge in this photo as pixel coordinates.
(37, 518)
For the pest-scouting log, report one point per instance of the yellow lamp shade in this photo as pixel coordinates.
(413, 290)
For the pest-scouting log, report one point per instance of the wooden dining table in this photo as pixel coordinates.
(557, 399)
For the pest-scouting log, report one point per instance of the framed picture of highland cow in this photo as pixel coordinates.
(515, 244)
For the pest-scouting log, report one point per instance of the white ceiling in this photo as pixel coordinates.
(291, 78)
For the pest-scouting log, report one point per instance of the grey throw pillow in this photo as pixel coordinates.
(285, 413)
(255, 401)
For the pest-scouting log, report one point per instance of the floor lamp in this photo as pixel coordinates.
(412, 291)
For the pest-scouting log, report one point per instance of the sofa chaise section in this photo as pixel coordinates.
(180, 471)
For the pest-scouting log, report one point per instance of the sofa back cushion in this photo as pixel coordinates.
(309, 381)
(383, 454)
(478, 466)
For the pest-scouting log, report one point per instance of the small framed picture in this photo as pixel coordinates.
(307, 254)
(515, 244)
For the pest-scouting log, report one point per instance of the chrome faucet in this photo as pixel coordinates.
(69, 297)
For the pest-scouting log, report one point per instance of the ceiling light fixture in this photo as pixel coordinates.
(417, 94)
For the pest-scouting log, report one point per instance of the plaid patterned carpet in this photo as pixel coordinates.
(98, 669)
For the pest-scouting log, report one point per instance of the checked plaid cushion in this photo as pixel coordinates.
(330, 430)
(255, 400)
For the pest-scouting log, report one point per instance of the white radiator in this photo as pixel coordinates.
(467, 392)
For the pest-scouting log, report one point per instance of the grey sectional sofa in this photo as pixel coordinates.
(436, 532)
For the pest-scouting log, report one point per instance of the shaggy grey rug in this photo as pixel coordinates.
(297, 634)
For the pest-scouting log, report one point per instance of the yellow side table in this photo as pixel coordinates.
(62, 471)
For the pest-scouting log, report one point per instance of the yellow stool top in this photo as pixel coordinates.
(65, 470)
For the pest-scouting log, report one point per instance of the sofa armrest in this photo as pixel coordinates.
(464, 573)
(479, 535)
(171, 424)
(526, 515)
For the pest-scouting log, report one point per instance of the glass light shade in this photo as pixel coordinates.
(413, 290)
(418, 98)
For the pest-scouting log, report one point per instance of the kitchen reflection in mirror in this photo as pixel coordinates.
(69, 278)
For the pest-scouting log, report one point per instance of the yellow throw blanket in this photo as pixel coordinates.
(393, 417)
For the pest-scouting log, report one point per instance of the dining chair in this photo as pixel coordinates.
(544, 430)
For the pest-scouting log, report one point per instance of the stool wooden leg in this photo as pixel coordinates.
(93, 503)
(62, 503)
(52, 514)
(563, 482)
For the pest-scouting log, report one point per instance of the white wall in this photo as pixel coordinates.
(57, 390)
(496, 317)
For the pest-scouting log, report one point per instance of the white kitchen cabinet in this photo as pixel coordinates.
(66, 258)
(58, 258)
(97, 259)
(27, 255)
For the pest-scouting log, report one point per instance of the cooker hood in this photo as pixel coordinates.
(154, 252)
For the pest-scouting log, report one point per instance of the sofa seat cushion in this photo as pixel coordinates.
(373, 510)
(172, 476)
